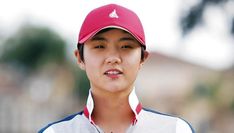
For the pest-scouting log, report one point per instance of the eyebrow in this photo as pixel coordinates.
(98, 38)
(127, 39)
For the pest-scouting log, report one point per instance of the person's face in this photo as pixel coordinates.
(112, 60)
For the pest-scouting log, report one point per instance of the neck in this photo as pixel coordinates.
(112, 111)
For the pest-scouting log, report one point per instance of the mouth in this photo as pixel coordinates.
(113, 73)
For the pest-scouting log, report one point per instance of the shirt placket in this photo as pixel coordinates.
(133, 101)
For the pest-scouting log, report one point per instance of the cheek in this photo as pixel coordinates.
(133, 62)
(134, 58)
(89, 58)
(91, 68)
(92, 63)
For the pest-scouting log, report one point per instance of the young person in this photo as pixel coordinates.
(111, 50)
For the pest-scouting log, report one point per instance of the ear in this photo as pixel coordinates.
(146, 55)
(79, 61)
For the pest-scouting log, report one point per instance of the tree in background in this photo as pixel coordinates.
(33, 47)
(194, 16)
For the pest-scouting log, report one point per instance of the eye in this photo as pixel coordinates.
(99, 46)
(126, 47)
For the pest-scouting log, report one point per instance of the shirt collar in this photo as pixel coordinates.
(132, 99)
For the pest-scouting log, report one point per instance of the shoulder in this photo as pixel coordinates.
(183, 126)
(63, 122)
(176, 123)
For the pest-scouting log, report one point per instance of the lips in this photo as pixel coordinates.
(113, 73)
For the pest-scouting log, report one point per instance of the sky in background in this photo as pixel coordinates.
(209, 44)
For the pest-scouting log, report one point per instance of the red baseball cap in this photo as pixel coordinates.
(111, 16)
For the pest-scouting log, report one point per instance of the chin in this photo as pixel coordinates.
(115, 89)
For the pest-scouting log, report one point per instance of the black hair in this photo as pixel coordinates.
(80, 48)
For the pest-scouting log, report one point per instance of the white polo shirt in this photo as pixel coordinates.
(145, 121)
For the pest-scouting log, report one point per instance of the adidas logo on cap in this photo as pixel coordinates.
(113, 14)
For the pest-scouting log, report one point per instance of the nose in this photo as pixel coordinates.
(113, 58)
